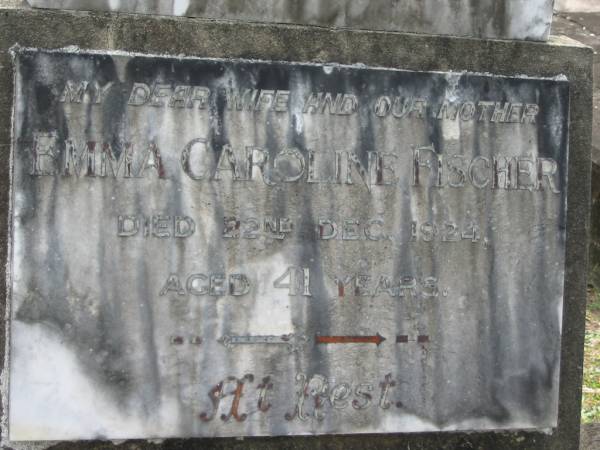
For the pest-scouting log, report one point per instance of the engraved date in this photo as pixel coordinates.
(445, 232)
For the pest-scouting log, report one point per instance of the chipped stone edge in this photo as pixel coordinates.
(5, 371)
(561, 40)
(76, 50)
(17, 49)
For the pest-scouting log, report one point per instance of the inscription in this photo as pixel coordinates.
(430, 168)
(296, 282)
(51, 157)
(200, 284)
(252, 228)
(293, 342)
(177, 96)
(377, 339)
(282, 249)
(156, 226)
(217, 393)
(445, 232)
(352, 230)
(281, 228)
(180, 340)
(316, 396)
(480, 111)
(296, 342)
(365, 285)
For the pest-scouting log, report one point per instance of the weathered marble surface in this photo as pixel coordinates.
(503, 19)
(110, 331)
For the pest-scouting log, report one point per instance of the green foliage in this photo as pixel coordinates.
(590, 409)
(593, 302)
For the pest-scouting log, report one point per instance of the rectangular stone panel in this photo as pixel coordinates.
(204, 247)
(502, 19)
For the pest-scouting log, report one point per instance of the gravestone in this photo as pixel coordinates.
(266, 239)
(269, 233)
(507, 19)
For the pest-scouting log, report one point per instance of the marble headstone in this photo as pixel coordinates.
(502, 19)
(205, 247)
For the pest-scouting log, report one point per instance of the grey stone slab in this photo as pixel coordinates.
(506, 19)
(12, 3)
(586, 28)
(351, 250)
(197, 37)
(590, 434)
(577, 6)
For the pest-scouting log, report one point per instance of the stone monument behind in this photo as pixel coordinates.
(507, 19)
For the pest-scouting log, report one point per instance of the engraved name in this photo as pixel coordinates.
(199, 161)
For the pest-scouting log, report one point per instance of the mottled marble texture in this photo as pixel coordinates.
(503, 19)
(110, 331)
